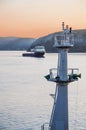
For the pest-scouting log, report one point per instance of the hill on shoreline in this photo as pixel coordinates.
(48, 42)
(14, 43)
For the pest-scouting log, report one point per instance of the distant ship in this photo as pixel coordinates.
(37, 51)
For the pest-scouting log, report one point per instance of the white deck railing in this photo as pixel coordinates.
(45, 126)
(64, 40)
(70, 72)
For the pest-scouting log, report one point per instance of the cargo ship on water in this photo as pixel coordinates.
(37, 51)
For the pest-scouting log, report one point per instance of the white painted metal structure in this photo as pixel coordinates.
(62, 76)
(59, 118)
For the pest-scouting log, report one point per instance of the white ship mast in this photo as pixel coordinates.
(62, 76)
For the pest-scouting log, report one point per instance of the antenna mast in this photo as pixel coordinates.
(62, 76)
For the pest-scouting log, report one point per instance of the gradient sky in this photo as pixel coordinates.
(35, 18)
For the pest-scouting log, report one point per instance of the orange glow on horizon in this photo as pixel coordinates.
(38, 18)
(31, 33)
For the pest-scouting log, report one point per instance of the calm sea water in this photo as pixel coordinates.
(25, 101)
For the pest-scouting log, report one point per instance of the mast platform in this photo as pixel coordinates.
(73, 75)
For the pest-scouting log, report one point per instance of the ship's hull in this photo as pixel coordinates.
(39, 54)
(33, 54)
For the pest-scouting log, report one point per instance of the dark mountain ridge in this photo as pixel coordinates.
(14, 43)
(48, 41)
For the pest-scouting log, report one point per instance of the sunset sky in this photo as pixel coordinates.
(35, 18)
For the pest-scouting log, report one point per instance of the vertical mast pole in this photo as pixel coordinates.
(59, 116)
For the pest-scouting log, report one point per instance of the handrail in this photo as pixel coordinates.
(53, 107)
(63, 39)
(72, 75)
(69, 69)
(45, 126)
